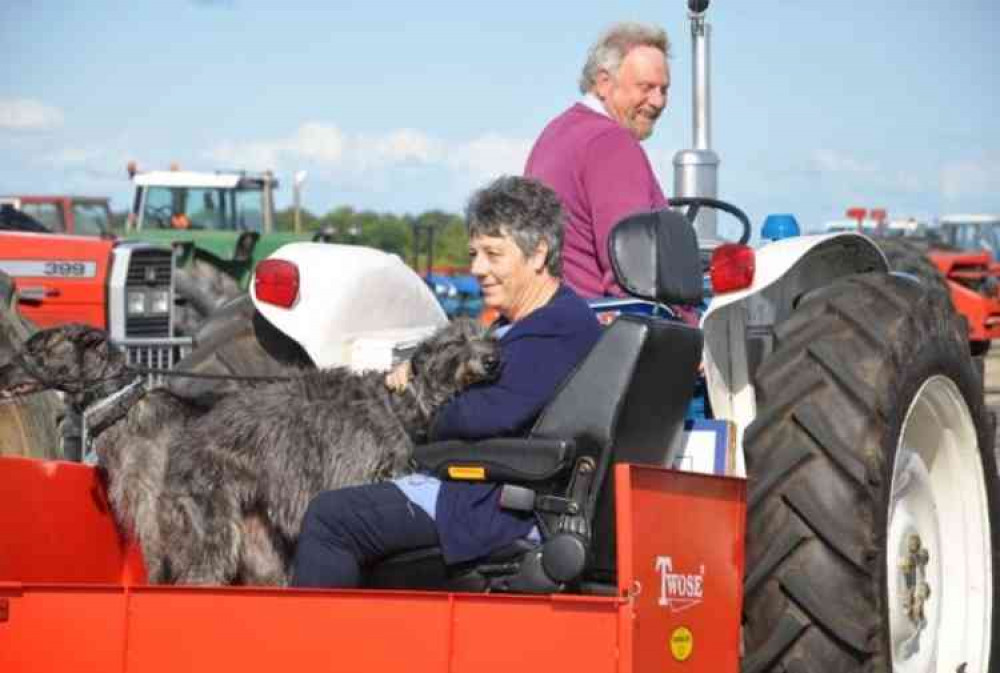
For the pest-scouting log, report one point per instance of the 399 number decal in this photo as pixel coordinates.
(48, 268)
(66, 269)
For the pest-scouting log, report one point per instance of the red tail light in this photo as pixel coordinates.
(732, 267)
(276, 281)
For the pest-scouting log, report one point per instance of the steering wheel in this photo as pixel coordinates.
(161, 214)
(695, 203)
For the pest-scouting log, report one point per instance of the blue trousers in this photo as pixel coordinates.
(347, 529)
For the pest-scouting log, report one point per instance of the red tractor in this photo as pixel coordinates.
(126, 289)
(970, 277)
(60, 214)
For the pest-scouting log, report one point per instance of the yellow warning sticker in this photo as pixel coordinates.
(469, 473)
(681, 643)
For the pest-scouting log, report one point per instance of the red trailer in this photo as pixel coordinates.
(73, 596)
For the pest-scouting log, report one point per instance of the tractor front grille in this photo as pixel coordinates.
(149, 270)
(155, 354)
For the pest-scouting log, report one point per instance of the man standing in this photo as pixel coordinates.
(590, 154)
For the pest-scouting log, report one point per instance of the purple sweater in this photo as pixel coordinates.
(601, 175)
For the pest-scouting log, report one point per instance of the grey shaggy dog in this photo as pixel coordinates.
(216, 494)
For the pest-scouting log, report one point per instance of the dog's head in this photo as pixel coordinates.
(75, 359)
(457, 356)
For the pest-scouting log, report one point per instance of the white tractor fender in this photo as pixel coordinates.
(784, 270)
(773, 261)
(356, 306)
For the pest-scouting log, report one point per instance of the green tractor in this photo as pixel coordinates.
(220, 225)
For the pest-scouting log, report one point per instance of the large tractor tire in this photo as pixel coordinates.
(237, 341)
(911, 258)
(29, 426)
(873, 490)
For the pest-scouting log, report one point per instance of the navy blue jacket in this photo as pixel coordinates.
(538, 352)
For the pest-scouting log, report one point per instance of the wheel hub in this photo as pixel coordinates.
(938, 551)
(916, 590)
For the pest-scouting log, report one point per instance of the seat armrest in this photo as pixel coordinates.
(506, 459)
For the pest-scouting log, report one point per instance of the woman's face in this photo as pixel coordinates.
(509, 279)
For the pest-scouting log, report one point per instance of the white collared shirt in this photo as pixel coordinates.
(595, 104)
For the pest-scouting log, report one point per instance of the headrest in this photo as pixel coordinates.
(655, 257)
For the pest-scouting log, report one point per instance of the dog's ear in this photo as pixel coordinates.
(416, 361)
(90, 337)
(467, 328)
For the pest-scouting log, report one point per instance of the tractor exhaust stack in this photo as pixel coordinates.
(696, 170)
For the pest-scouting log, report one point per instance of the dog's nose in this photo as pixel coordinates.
(491, 365)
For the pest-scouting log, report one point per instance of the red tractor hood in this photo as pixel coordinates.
(59, 278)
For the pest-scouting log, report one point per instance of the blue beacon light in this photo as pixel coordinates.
(778, 226)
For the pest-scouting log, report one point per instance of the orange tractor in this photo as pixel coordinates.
(970, 277)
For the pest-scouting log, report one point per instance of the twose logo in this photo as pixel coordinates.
(679, 591)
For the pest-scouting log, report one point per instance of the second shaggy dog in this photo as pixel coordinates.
(240, 478)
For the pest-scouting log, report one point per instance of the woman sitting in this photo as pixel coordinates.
(515, 237)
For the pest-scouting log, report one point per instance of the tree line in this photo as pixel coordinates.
(409, 236)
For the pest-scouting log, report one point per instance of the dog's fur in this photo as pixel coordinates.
(216, 495)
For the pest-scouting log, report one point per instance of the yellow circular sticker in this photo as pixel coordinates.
(681, 643)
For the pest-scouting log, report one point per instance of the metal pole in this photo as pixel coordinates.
(701, 34)
(298, 217)
(268, 202)
(696, 170)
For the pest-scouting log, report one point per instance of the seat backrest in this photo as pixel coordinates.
(627, 400)
(655, 256)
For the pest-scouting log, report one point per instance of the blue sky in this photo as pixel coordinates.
(403, 106)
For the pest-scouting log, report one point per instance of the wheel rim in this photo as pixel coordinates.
(939, 555)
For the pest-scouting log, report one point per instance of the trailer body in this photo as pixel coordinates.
(69, 576)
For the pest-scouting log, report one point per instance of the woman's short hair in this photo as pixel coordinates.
(611, 47)
(522, 208)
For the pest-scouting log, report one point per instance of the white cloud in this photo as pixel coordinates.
(311, 141)
(257, 156)
(71, 156)
(833, 161)
(314, 140)
(972, 177)
(867, 176)
(22, 114)
(405, 146)
(106, 163)
(491, 155)
(331, 150)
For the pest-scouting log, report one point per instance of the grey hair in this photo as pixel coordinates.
(522, 208)
(614, 44)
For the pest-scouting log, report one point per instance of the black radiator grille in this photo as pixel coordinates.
(147, 327)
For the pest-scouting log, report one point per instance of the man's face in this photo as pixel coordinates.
(637, 95)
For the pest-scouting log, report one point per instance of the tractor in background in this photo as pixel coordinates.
(220, 225)
(969, 276)
(124, 288)
(80, 215)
